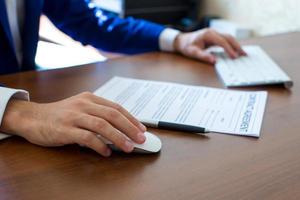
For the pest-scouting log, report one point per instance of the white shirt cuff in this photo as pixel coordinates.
(167, 39)
(5, 95)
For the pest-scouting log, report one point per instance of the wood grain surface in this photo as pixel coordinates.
(188, 167)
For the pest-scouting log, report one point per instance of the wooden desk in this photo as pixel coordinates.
(189, 166)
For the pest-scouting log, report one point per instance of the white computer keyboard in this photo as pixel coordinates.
(255, 69)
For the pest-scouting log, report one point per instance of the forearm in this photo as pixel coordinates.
(88, 24)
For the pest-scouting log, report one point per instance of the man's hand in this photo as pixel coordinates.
(193, 45)
(78, 120)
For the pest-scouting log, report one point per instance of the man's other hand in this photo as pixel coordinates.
(76, 120)
(194, 44)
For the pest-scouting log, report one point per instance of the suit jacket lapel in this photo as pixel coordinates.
(33, 10)
(5, 24)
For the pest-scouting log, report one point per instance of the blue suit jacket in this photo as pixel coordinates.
(81, 20)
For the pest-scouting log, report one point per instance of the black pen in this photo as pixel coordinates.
(175, 126)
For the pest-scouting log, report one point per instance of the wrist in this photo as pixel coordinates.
(178, 43)
(18, 117)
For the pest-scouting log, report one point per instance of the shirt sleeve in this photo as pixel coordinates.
(7, 94)
(167, 39)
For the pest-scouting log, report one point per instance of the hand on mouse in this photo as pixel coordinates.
(193, 45)
(74, 120)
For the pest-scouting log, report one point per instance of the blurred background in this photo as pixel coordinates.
(264, 17)
(240, 18)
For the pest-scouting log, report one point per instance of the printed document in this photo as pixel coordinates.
(221, 111)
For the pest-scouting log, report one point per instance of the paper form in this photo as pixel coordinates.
(223, 111)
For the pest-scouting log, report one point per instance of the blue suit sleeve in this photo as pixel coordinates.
(86, 23)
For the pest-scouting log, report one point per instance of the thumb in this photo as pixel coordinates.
(199, 54)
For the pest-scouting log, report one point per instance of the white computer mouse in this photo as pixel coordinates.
(152, 145)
